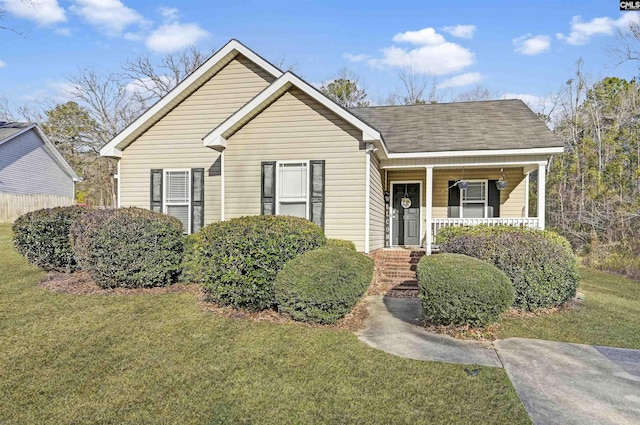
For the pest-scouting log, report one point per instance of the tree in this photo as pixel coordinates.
(345, 90)
(415, 89)
(150, 80)
(476, 93)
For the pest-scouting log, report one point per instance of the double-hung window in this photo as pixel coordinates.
(179, 192)
(177, 195)
(473, 200)
(293, 189)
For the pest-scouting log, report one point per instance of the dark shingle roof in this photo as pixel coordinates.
(440, 127)
(8, 129)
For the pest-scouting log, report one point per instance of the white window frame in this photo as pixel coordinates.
(277, 182)
(485, 202)
(165, 171)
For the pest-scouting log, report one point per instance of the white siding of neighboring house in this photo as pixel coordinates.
(296, 127)
(175, 141)
(27, 167)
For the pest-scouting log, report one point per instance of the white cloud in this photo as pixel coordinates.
(461, 80)
(538, 104)
(44, 12)
(531, 45)
(174, 36)
(63, 31)
(110, 16)
(169, 13)
(355, 58)
(581, 32)
(433, 55)
(2, 64)
(460, 31)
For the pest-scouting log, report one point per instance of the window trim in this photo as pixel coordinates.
(307, 198)
(485, 202)
(165, 171)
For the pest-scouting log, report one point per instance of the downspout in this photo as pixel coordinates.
(119, 185)
(222, 186)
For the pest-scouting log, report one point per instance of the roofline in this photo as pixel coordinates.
(114, 149)
(217, 137)
(57, 156)
(489, 152)
(24, 130)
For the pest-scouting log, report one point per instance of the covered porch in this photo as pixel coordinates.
(423, 198)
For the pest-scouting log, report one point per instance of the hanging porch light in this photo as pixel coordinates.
(502, 183)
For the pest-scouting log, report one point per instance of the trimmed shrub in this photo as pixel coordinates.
(341, 243)
(460, 290)
(42, 236)
(129, 247)
(323, 285)
(237, 260)
(540, 264)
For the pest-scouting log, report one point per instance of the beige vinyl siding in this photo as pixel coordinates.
(512, 199)
(296, 127)
(175, 141)
(376, 206)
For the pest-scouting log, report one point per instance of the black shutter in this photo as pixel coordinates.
(197, 199)
(453, 203)
(316, 192)
(268, 198)
(156, 190)
(494, 198)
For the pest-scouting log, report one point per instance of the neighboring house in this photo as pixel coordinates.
(240, 137)
(33, 174)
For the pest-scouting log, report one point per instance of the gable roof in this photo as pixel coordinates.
(217, 137)
(11, 130)
(464, 126)
(189, 85)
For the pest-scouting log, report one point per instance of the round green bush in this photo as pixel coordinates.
(341, 243)
(460, 290)
(323, 285)
(540, 264)
(237, 260)
(129, 247)
(42, 236)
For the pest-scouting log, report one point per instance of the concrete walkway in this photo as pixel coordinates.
(558, 383)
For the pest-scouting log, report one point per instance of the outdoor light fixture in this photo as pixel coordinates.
(387, 197)
(502, 183)
(462, 183)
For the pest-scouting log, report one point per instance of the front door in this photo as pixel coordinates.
(406, 214)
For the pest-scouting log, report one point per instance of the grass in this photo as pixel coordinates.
(610, 315)
(160, 359)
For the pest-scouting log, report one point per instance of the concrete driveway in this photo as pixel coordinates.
(558, 383)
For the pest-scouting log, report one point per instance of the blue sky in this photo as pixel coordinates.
(524, 49)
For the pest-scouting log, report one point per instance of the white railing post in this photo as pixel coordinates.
(542, 181)
(429, 212)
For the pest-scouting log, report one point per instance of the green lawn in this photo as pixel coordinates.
(610, 315)
(159, 359)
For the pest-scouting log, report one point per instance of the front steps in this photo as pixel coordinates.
(396, 268)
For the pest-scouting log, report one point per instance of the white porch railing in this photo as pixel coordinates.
(439, 223)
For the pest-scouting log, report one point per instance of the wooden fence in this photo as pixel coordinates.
(12, 206)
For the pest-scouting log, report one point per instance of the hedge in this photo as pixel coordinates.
(237, 260)
(323, 285)
(42, 236)
(341, 243)
(460, 290)
(540, 264)
(129, 247)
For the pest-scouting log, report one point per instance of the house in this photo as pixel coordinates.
(33, 174)
(240, 137)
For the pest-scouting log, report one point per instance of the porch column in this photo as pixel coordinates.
(542, 181)
(429, 203)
